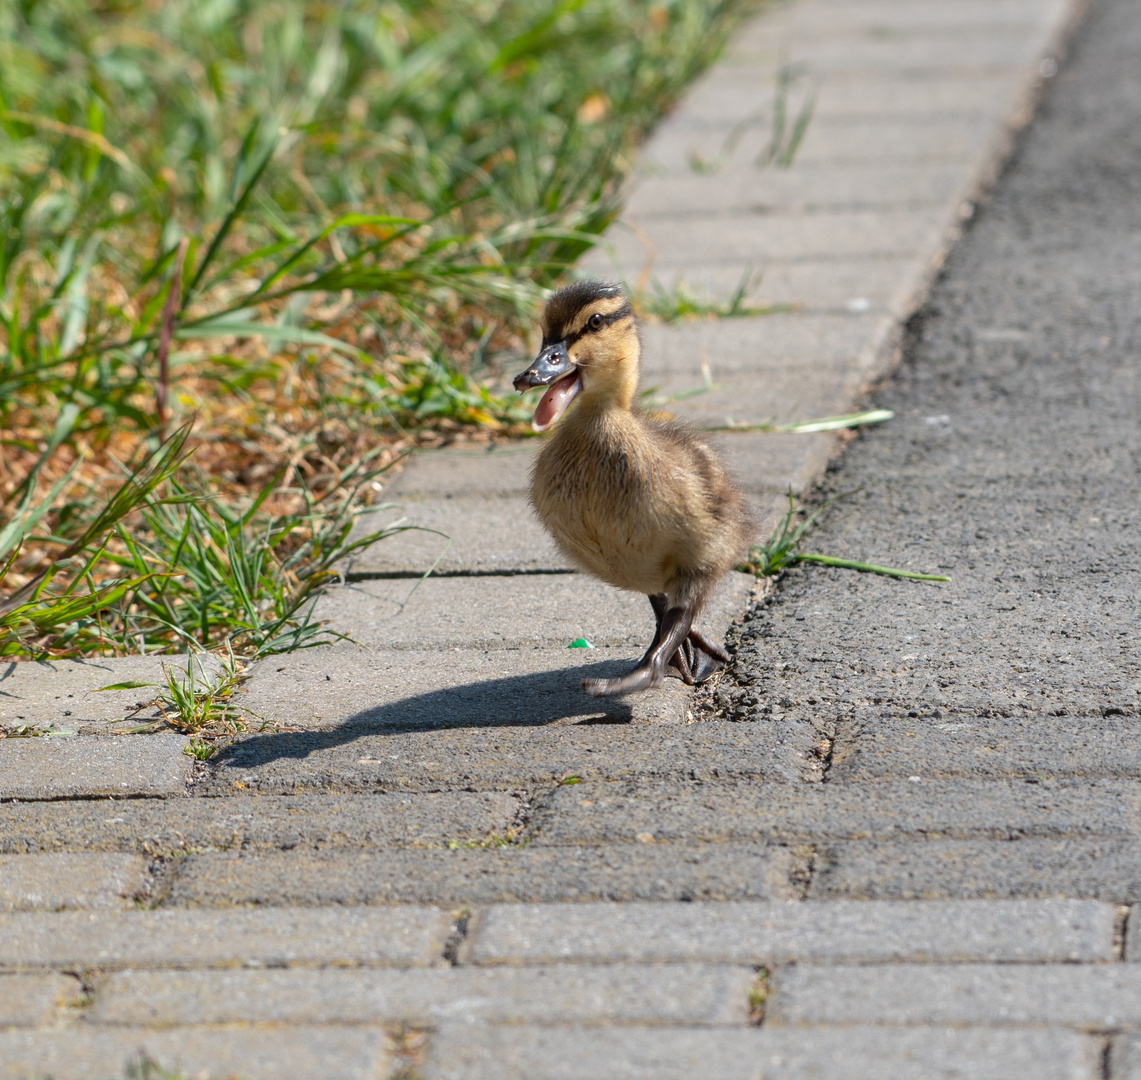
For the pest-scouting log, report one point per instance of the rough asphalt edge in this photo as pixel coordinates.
(999, 159)
(741, 681)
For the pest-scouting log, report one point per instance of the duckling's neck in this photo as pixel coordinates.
(612, 385)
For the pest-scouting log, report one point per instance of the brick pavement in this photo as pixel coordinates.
(405, 884)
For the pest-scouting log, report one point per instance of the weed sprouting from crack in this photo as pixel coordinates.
(782, 550)
(493, 840)
(194, 702)
(759, 997)
(681, 301)
(144, 1067)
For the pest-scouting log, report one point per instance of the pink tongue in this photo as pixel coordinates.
(555, 401)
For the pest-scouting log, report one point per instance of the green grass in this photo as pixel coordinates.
(782, 550)
(681, 301)
(251, 252)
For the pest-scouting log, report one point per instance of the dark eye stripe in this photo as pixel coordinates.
(607, 320)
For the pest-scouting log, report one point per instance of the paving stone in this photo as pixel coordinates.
(1094, 869)
(880, 18)
(736, 399)
(735, 813)
(868, 186)
(349, 689)
(674, 994)
(1071, 995)
(53, 882)
(269, 937)
(634, 872)
(822, 235)
(510, 758)
(792, 345)
(477, 534)
(818, 287)
(986, 48)
(461, 1052)
(1125, 1058)
(173, 826)
(64, 693)
(86, 766)
(774, 464)
(1033, 748)
(745, 93)
(840, 143)
(772, 934)
(522, 612)
(501, 468)
(35, 1000)
(296, 1053)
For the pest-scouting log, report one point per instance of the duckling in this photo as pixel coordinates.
(641, 503)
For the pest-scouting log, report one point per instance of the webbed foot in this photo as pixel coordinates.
(697, 658)
(673, 635)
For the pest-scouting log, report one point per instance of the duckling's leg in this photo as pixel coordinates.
(673, 628)
(697, 658)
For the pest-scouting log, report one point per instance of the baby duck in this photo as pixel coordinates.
(641, 503)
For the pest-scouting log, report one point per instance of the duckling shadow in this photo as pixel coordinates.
(532, 700)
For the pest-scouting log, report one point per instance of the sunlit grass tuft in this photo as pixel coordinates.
(782, 550)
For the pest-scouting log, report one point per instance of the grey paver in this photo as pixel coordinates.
(476, 533)
(825, 234)
(525, 611)
(675, 994)
(461, 1052)
(1095, 869)
(679, 812)
(356, 691)
(57, 881)
(53, 768)
(835, 18)
(171, 826)
(792, 933)
(168, 937)
(34, 1000)
(1072, 995)
(64, 693)
(765, 349)
(511, 757)
(634, 872)
(740, 398)
(843, 142)
(818, 287)
(295, 1053)
(502, 468)
(1125, 1058)
(794, 191)
(854, 98)
(963, 745)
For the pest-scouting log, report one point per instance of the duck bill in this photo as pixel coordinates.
(554, 369)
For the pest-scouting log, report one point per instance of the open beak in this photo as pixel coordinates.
(554, 369)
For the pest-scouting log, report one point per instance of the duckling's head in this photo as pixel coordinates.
(590, 350)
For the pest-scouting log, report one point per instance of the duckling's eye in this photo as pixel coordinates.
(595, 321)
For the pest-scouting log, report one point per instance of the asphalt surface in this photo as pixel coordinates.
(1013, 466)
